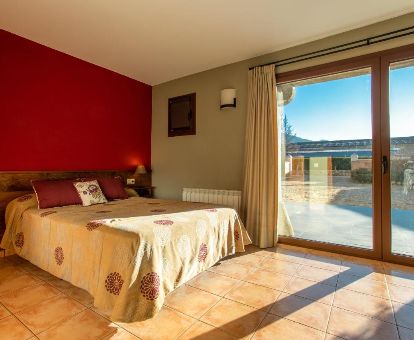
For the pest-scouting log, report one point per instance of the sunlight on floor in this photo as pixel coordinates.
(284, 293)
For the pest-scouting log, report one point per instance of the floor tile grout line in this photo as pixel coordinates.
(14, 290)
(393, 309)
(61, 322)
(365, 315)
(330, 312)
(15, 316)
(291, 278)
(21, 310)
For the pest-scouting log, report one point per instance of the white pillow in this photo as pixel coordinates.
(90, 192)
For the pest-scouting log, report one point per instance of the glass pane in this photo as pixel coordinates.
(402, 156)
(326, 151)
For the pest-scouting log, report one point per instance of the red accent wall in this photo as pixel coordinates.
(58, 112)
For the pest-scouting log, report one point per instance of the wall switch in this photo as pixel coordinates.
(130, 181)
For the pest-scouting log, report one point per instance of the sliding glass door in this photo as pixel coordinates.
(347, 156)
(398, 148)
(327, 143)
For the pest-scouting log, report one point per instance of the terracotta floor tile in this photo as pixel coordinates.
(402, 294)
(404, 314)
(304, 311)
(364, 304)
(203, 331)
(28, 267)
(332, 337)
(62, 285)
(167, 324)
(253, 295)
(280, 266)
(362, 261)
(323, 276)
(234, 270)
(213, 283)
(406, 334)
(191, 301)
(17, 282)
(400, 280)
(27, 297)
(83, 326)
(49, 313)
(323, 262)
(399, 275)
(234, 318)
(363, 285)
(43, 275)
(362, 268)
(8, 270)
(287, 248)
(13, 329)
(79, 295)
(261, 252)
(249, 259)
(350, 325)
(289, 256)
(374, 276)
(3, 312)
(120, 334)
(311, 290)
(274, 327)
(15, 259)
(268, 278)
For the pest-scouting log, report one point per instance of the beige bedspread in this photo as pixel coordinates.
(129, 253)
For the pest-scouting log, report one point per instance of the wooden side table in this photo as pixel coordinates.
(143, 191)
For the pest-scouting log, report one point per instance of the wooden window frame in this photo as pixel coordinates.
(378, 62)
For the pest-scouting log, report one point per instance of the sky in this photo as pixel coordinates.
(341, 109)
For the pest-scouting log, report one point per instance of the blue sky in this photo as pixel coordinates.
(341, 109)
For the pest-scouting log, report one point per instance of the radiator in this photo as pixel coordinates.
(228, 198)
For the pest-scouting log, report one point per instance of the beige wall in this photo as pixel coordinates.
(213, 158)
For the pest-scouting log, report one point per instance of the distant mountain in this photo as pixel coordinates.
(296, 139)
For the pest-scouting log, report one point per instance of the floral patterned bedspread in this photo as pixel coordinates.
(129, 254)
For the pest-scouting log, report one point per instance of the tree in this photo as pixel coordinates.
(287, 130)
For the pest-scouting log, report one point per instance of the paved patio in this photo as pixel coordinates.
(348, 224)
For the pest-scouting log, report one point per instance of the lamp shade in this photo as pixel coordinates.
(140, 170)
(227, 98)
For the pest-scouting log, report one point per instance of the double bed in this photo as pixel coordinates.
(128, 254)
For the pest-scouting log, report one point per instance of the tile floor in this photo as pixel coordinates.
(279, 293)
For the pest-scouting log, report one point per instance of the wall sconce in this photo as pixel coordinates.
(227, 98)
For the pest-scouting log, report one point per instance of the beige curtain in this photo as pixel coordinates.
(261, 165)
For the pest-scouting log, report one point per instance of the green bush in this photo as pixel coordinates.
(341, 163)
(362, 175)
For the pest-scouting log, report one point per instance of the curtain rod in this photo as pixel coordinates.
(344, 47)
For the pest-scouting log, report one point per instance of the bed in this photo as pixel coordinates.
(128, 254)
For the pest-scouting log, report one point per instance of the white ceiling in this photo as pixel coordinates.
(159, 40)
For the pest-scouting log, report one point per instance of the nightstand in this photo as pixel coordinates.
(143, 191)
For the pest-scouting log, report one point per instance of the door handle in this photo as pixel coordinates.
(384, 164)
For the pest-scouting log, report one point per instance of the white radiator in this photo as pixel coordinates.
(228, 198)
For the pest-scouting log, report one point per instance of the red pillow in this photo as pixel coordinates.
(55, 193)
(113, 188)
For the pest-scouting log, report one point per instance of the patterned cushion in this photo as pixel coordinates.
(90, 192)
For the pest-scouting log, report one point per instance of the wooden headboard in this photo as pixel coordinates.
(16, 183)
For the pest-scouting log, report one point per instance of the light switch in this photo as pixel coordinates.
(130, 181)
